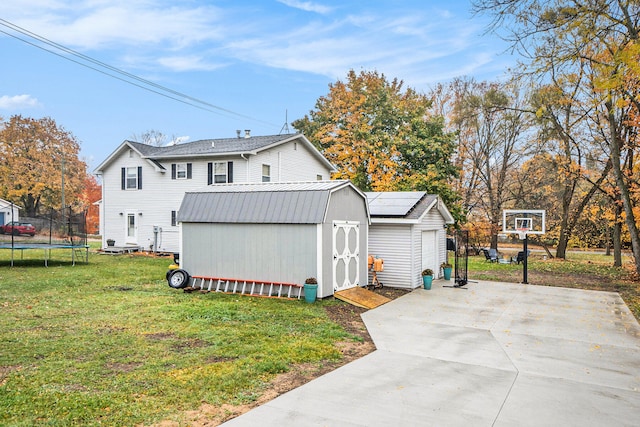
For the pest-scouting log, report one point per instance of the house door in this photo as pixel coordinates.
(1, 218)
(430, 251)
(346, 254)
(131, 229)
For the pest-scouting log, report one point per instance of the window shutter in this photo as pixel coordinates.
(209, 173)
(230, 172)
(139, 177)
(173, 171)
(123, 178)
(189, 170)
(173, 217)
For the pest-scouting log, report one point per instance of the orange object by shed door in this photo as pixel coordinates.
(378, 264)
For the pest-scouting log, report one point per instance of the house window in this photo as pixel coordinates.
(181, 170)
(174, 215)
(220, 173)
(319, 177)
(266, 173)
(131, 178)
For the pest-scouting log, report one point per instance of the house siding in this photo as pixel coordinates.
(160, 194)
(278, 252)
(289, 162)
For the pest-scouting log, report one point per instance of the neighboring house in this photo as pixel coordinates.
(278, 232)
(143, 185)
(408, 232)
(8, 212)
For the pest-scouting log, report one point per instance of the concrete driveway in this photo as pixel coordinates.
(495, 354)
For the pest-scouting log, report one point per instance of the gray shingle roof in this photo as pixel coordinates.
(211, 146)
(266, 203)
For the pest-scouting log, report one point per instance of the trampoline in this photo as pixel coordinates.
(82, 250)
(57, 229)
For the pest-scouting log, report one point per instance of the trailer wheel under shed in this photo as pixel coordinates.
(277, 232)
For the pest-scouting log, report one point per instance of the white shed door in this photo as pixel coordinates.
(346, 254)
(430, 251)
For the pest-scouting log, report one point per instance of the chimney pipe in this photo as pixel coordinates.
(238, 133)
(247, 133)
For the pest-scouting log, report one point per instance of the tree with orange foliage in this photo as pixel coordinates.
(34, 154)
(92, 193)
(382, 136)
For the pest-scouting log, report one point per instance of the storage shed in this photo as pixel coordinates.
(278, 232)
(408, 231)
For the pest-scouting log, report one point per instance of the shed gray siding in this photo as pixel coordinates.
(270, 252)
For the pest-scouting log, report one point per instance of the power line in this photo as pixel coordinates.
(128, 78)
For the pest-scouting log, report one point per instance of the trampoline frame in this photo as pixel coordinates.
(47, 247)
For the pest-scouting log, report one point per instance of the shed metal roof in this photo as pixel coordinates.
(266, 203)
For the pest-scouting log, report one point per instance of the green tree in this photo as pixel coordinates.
(33, 155)
(382, 136)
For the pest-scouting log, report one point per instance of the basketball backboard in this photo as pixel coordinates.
(519, 221)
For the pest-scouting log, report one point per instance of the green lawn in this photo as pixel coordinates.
(109, 343)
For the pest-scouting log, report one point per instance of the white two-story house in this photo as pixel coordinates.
(143, 185)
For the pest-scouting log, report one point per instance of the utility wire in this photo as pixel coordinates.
(107, 74)
(143, 83)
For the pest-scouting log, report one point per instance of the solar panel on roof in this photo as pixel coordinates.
(393, 203)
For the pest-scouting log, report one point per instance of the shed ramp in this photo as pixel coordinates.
(361, 297)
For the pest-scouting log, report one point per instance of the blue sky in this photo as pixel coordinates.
(255, 61)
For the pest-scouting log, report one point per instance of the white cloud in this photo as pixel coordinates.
(307, 6)
(410, 46)
(404, 41)
(18, 102)
(113, 24)
(187, 63)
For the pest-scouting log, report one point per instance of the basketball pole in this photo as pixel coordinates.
(525, 248)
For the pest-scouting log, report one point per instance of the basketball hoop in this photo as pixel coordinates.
(522, 233)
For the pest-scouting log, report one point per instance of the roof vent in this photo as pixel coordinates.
(213, 144)
(247, 133)
(238, 131)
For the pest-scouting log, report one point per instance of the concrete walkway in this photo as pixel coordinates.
(494, 354)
